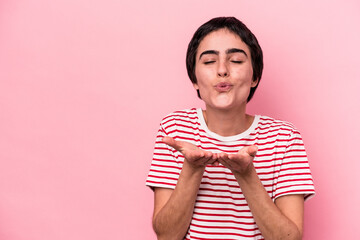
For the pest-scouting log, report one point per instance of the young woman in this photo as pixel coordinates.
(220, 173)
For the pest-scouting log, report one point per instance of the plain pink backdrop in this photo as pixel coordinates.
(84, 85)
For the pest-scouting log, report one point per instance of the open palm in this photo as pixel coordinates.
(194, 155)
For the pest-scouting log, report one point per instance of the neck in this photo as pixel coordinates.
(227, 122)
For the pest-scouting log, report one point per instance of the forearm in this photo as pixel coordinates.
(173, 220)
(270, 220)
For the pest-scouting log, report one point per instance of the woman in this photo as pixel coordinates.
(220, 173)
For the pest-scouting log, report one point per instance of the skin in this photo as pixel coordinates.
(218, 62)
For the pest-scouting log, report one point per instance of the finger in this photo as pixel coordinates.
(224, 159)
(223, 162)
(197, 155)
(208, 155)
(252, 150)
(209, 158)
(210, 161)
(214, 159)
(216, 163)
(223, 156)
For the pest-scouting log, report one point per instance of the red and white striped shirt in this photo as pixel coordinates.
(221, 211)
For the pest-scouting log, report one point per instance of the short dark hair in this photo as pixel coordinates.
(236, 26)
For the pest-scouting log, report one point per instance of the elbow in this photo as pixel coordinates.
(296, 234)
(164, 232)
(286, 237)
(157, 229)
(293, 235)
(167, 236)
(289, 234)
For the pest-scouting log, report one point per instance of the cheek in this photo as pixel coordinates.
(203, 77)
(244, 74)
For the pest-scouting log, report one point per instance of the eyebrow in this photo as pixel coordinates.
(235, 50)
(208, 52)
(229, 51)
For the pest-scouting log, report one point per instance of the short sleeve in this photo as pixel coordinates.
(165, 168)
(295, 176)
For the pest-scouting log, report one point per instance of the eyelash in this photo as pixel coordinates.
(209, 62)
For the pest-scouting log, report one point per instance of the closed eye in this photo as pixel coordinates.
(237, 61)
(209, 62)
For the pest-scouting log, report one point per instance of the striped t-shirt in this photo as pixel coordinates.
(221, 211)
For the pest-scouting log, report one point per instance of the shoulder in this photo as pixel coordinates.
(186, 114)
(186, 117)
(276, 125)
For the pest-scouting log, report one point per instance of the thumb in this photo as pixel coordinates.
(171, 142)
(252, 150)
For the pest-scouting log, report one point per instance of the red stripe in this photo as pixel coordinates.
(224, 221)
(217, 233)
(184, 125)
(164, 123)
(164, 154)
(224, 209)
(221, 196)
(295, 180)
(158, 182)
(162, 177)
(167, 172)
(223, 203)
(298, 191)
(162, 166)
(270, 130)
(165, 161)
(202, 238)
(294, 174)
(225, 227)
(219, 178)
(259, 173)
(161, 148)
(228, 185)
(222, 215)
(290, 186)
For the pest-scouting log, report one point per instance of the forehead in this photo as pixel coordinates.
(221, 40)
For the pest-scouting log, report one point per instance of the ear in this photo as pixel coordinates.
(196, 86)
(254, 83)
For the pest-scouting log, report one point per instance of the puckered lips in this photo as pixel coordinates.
(223, 86)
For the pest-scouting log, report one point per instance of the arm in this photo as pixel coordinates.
(173, 209)
(280, 220)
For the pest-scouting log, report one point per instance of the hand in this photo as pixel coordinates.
(239, 162)
(195, 156)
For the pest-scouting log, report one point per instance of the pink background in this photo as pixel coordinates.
(84, 85)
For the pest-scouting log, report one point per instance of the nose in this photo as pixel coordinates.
(222, 69)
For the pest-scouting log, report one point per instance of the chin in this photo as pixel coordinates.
(222, 105)
(223, 102)
(228, 104)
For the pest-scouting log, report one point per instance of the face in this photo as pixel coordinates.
(223, 70)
